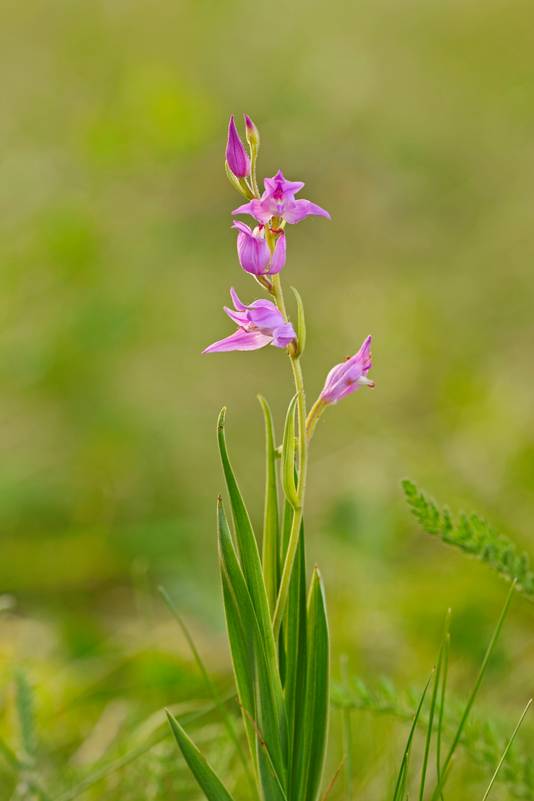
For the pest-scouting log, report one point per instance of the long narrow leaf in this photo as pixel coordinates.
(507, 748)
(271, 522)
(288, 455)
(212, 689)
(108, 769)
(315, 713)
(246, 544)
(347, 733)
(474, 693)
(398, 793)
(211, 785)
(433, 704)
(301, 322)
(443, 696)
(295, 649)
(262, 702)
(243, 664)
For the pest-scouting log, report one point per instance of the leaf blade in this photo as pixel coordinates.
(315, 713)
(271, 520)
(288, 455)
(207, 779)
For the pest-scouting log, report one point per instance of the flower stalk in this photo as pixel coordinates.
(278, 630)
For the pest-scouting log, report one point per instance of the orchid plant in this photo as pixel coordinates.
(276, 619)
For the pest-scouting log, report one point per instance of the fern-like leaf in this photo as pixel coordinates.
(474, 536)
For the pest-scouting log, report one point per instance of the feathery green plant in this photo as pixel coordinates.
(444, 720)
(474, 536)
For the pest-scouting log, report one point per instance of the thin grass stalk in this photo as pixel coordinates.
(474, 693)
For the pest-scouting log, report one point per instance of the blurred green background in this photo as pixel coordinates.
(413, 124)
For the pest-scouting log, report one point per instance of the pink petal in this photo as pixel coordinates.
(241, 226)
(299, 209)
(257, 209)
(235, 300)
(279, 255)
(240, 318)
(287, 187)
(240, 340)
(236, 155)
(283, 335)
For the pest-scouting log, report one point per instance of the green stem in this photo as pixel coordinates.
(314, 416)
(302, 469)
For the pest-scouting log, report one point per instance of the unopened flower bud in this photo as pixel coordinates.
(236, 156)
(252, 133)
(346, 377)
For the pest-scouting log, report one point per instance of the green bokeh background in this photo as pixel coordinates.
(413, 123)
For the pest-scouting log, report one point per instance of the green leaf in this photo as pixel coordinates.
(294, 636)
(301, 322)
(398, 794)
(507, 748)
(211, 785)
(212, 689)
(271, 522)
(25, 711)
(255, 669)
(474, 693)
(288, 455)
(247, 546)
(433, 705)
(443, 695)
(239, 184)
(474, 536)
(108, 769)
(314, 730)
(347, 732)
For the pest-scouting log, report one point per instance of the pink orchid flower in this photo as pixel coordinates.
(260, 324)
(278, 200)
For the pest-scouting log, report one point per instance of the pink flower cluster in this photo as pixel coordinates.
(261, 252)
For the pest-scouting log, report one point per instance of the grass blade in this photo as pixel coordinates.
(443, 693)
(505, 752)
(211, 785)
(347, 733)
(271, 522)
(227, 720)
(258, 675)
(433, 703)
(103, 771)
(474, 692)
(246, 543)
(400, 786)
(25, 712)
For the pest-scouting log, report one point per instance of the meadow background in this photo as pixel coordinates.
(413, 124)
